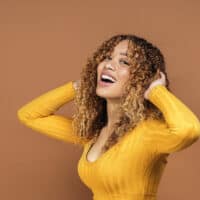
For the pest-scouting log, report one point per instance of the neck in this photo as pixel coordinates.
(112, 108)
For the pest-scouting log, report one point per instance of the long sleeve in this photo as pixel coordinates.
(38, 114)
(181, 128)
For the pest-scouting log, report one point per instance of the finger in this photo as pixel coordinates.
(162, 75)
(158, 72)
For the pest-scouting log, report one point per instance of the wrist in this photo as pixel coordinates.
(151, 88)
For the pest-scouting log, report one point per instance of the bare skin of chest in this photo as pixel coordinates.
(95, 151)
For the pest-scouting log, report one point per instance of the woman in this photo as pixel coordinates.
(127, 120)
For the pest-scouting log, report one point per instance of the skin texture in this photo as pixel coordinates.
(115, 64)
(121, 71)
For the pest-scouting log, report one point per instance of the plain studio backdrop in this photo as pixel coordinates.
(44, 44)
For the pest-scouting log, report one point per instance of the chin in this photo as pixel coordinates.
(101, 92)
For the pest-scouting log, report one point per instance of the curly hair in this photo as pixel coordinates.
(91, 116)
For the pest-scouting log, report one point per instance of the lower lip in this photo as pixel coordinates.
(104, 84)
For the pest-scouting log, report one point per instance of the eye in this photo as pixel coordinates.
(125, 62)
(108, 58)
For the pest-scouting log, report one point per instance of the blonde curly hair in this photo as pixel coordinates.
(91, 116)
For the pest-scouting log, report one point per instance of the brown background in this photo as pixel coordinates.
(44, 44)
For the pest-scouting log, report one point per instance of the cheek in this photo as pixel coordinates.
(124, 75)
(99, 68)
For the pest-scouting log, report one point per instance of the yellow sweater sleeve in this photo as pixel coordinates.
(38, 114)
(181, 128)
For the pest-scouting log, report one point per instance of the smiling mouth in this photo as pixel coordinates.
(105, 83)
(108, 79)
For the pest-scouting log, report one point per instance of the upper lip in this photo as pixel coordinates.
(109, 74)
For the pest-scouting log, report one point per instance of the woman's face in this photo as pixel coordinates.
(116, 66)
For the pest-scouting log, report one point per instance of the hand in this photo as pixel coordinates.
(76, 84)
(159, 81)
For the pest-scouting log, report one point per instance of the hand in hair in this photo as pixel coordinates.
(159, 81)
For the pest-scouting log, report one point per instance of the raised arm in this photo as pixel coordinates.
(38, 114)
(182, 127)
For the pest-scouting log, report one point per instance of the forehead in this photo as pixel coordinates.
(121, 47)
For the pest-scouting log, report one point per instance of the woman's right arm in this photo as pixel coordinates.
(38, 114)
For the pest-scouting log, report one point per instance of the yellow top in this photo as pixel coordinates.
(132, 168)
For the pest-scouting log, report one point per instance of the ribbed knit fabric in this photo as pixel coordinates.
(132, 168)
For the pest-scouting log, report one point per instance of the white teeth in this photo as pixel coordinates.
(108, 77)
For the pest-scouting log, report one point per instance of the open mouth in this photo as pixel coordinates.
(106, 80)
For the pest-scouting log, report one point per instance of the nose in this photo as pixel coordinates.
(110, 65)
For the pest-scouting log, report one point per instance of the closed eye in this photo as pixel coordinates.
(124, 61)
(108, 58)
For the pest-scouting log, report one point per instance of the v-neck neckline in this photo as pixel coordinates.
(89, 145)
(104, 154)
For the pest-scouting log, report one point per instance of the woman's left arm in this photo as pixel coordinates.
(182, 127)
